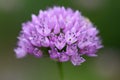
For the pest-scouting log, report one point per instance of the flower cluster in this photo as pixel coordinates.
(66, 34)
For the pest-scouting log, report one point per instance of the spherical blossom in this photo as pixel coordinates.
(64, 33)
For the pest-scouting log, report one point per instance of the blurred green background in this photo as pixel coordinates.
(103, 13)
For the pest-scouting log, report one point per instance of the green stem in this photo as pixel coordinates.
(60, 68)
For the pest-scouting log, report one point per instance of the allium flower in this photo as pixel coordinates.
(66, 34)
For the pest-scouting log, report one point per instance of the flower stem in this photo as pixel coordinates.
(60, 68)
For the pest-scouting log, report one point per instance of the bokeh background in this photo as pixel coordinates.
(103, 13)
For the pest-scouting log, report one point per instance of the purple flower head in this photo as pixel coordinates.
(66, 34)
